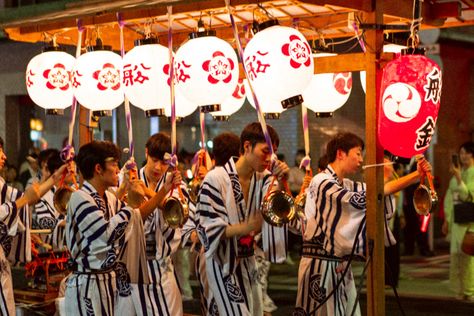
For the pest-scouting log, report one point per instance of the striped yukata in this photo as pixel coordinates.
(231, 273)
(14, 239)
(47, 217)
(162, 296)
(334, 213)
(95, 236)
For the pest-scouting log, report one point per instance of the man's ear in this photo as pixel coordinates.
(340, 154)
(146, 153)
(247, 146)
(98, 169)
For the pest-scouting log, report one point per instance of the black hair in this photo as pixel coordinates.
(468, 147)
(93, 153)
(54, 162)
(344, 141)
(1, 142)
(44, 155)
(323, 162)
(254, 134)
(225, 145)
(158, 144)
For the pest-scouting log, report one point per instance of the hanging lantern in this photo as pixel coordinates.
(97, 79)
(270, 108)
(144, 79)
(48, 80)
(232, 104)
(410, 94)
(278, 62)
(206, 70)
(183, 107)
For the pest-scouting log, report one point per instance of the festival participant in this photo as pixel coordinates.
(335, 213)
(13, 210)
(162, 296)
(95, 232)
(229, 216)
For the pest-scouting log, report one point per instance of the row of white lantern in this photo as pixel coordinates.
(277, 59)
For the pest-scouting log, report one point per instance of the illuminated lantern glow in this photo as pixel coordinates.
(232, 104)
(410, 94)
(48, 80)
(206, 70)
(270, 108)
(97, 80)
(328, 92)
(183, 107)
(145, 80)
(278, 62)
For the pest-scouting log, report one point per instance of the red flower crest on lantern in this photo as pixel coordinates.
(219, 68)
(343, 82)
(58, 77)
(239, 91)
(298, 51)
(108, 77)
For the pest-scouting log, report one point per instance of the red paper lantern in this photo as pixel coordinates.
(410, 94)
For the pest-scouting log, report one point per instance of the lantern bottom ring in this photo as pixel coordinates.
(178, 119)
(101, 113)
(210, 108)
(54, 112)
(221, 118)
(272, 116)
(324, 114)
(292, 102)
(155, 113)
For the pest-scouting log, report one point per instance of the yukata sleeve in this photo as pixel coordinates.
(192, 221)
(90, 221)
(449, 201)
(45, 219)
(466, 187)
(213, 221)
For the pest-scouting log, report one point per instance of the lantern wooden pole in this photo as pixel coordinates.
(85, 131)
(374, 176)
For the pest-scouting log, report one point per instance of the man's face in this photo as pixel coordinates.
(3, 158)
(155, 168)
(109, 174)
(465, 157)
(352, 160)
(259, 157)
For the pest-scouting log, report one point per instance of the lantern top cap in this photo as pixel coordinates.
(52, 48)
(413, 51)
(204, 33)
(99, 48)
(257, 27)
(146, 41)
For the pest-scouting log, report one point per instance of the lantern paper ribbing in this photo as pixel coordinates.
(328, 92)
(206, 70)
(278, 62)
(410, 97)
(232, 103)
(145, 77)
(97, 80)
(48, 80)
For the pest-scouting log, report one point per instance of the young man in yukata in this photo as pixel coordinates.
(13, 207)
(335, 213)
(95, 232)
(229, 216)
(162, 296)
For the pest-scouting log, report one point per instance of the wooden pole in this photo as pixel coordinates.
(85, 132)
(374, 176)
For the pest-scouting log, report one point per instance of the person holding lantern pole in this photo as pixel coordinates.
(229, 217)
(162, 296)
(335, 231)
(96, 227)
(14, 213)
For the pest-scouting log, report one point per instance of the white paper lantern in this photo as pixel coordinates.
(145, 77)
(48, 80)
(206, 71)
(232, 104)
(97, 80)
(183, 108)
(271, 108)
(279, 63)
(328, 92)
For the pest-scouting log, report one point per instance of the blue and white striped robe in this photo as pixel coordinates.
(95, 239)
(47, 217)
(233, 281)
(162, 296)
(334, 213)
(14, 242)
